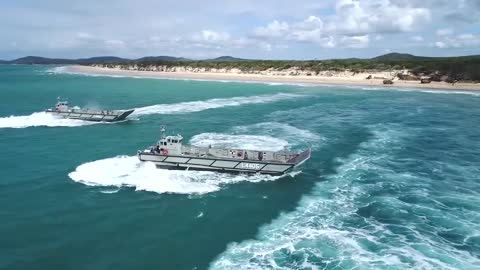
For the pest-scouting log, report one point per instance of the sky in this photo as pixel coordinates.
(254, 29)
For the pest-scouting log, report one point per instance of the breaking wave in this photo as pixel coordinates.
(144, 176)
(40, 119)
(197, 106)
(56, 70)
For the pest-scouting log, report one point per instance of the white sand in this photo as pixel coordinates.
(339, 78)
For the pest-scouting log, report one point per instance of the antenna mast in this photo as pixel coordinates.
(162, 132)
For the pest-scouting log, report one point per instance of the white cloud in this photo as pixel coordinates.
(212, 36)
(82, 29)
(265, 46)
(459, 41)
(155, 38)
(272, 30)
(417, 38)
(311, 23)
(219, 43)
(115, 44)
(356, 42)
(309, 30)
(355, 17)
(440, 44)
(351, 25)
(83, 35)
(444, 32)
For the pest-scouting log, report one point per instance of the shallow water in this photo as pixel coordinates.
(393, 182)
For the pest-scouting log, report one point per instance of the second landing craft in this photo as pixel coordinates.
(62, 110)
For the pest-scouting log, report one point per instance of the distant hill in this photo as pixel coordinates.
(398, 57)
(101, 59)
(226, 59)
(36, 60)
(160, 58)
(410, 57)
(29, 60)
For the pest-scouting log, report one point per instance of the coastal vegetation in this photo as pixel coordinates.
(449, 69)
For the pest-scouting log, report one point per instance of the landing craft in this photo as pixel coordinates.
(170, 153)
(61, 109)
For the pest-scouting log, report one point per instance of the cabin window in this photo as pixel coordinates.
(168, 140)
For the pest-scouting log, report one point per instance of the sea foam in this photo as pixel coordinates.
(268, 136)
(201, 105)
(129, 171)
(45, 119)
(318, 234)
(247, 142)
(40, 119)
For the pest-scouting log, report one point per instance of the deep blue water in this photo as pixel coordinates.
(393, 182)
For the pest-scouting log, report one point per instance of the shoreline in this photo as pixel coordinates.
(257, 78)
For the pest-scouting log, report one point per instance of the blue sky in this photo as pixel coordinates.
(267, 29)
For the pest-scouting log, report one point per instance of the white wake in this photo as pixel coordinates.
(246, 142)
(40, 119)
(267, 136)
(129, 171)
(197, 106)
(44, 119)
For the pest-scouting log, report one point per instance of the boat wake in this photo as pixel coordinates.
(197, 106)
(40, 119)
(144, 176)
(45, 119)
(270, 136)
(296, 137)
(246, 142)
(389, 233)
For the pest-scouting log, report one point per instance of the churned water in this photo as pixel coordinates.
(393, 183)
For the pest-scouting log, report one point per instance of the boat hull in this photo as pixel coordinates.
(94, 117)
(215, 164)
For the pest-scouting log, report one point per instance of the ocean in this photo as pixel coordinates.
(393, 182)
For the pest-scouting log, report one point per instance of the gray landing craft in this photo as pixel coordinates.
(61, 109)
(170, 153)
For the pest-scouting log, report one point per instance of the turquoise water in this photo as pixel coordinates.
(393, 182)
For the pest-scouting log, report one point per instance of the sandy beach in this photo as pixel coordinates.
(358, 80)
